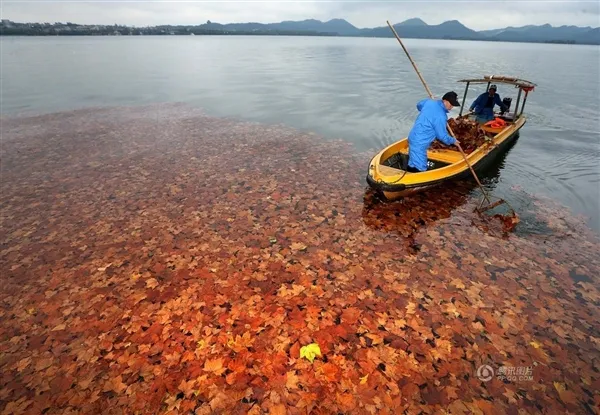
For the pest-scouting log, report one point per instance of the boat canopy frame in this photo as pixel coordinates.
(521, 84)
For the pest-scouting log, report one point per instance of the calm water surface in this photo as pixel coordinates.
(360, 90)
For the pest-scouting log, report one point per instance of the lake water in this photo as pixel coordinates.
(360, 90)
(158, 258)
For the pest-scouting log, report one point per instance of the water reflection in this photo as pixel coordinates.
(406, 217)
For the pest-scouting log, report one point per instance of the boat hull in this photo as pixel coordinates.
(397, 188)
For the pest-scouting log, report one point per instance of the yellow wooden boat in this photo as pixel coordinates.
(387, 170)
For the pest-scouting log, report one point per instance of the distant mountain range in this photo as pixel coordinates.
(417, 28)
(411, 28)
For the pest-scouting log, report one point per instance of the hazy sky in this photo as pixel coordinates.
(476, 14)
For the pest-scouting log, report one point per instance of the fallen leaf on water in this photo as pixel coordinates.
(566, 396)
(297, 246)
(187, 387)
(115, 384)
(23, 363)
(151, 283)
(458, 284)
(214, 365)
(278, 409)
(291, 380)
(59, 327)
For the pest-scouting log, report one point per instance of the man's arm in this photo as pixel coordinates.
(441, 131)
(475, 103)
(500, 103)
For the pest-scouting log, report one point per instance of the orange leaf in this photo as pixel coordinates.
(346, 401)
(278, 409)
(330, 371)
(375, 338)
(566, 396)
(188, 355)
(295, 351)
(151, 283)
(23, 363)
(115, 384)
(350, 315)
(292, 380)
(215, 366)
(187, 387)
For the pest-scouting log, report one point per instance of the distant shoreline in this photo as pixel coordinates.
(410, 29)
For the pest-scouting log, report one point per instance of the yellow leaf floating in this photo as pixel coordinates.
(310, 351)
(364, 379)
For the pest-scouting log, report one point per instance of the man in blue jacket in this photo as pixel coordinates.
(429, 125)
(483, 106)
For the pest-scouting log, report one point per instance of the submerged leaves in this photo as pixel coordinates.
(168, 262)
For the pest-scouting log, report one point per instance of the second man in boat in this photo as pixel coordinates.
(483, 106)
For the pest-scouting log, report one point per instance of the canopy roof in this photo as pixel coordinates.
(500, 79)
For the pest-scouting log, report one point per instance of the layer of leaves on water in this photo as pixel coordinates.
(161, 261)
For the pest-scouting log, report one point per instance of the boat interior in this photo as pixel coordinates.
(399, 160)
(491, 131)
(438, 158)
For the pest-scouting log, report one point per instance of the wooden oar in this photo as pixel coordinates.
(449, 128)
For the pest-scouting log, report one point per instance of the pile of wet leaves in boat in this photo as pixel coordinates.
(156, 260)
(468, 132)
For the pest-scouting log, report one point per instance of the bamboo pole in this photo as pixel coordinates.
(432, 97)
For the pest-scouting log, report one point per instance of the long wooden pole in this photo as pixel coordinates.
(431, 96)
